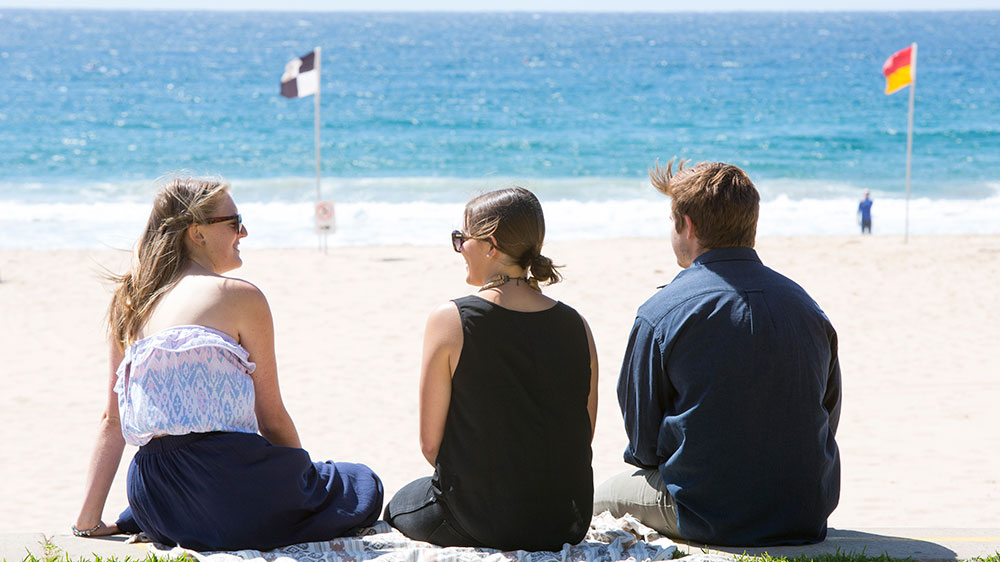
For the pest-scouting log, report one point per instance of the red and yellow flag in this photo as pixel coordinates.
(899, 69)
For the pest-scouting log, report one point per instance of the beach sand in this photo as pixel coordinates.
(917, 324)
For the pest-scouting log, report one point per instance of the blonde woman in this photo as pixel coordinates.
(508, 396)
(193, 379)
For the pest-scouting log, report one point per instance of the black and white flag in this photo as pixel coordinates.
(301, 77)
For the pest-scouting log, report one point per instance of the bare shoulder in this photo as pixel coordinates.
(444, 312)
(244, 298)
(444, 320)
(236, 288)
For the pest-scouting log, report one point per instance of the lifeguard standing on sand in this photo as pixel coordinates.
(865, 213)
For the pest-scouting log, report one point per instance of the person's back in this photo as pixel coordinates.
(751, 458)
(730, 386)
(514, 465)
(193, 379)
(508, 396)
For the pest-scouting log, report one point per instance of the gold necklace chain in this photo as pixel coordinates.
(503, 279)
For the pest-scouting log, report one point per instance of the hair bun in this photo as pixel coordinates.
(542, 269)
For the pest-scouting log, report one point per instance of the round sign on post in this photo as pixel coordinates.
(324, 217)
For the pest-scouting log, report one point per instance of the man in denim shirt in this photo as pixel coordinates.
(730, 387)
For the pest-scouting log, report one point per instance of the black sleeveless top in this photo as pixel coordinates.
(513, 468)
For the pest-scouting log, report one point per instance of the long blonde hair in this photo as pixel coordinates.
(160, 256)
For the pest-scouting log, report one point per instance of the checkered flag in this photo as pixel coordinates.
(301, 77)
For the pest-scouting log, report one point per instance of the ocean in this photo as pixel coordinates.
(421, 111)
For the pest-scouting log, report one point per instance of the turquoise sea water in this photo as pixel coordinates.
(421, 111)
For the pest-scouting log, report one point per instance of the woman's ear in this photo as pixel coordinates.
(195, 234)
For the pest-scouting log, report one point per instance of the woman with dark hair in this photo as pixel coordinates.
(193, 379)
(508, 396)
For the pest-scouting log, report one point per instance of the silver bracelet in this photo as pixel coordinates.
(86, 532)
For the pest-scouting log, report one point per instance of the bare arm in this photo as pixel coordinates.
(592, 397)
(256, 334)
(442, 347)
(105, 458)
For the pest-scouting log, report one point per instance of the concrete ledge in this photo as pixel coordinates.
(14, 547)
(926, 544)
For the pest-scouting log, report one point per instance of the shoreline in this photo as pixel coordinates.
(915, 322)
(289, 224)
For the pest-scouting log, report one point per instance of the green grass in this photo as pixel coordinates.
(836, 556)
(52, 553)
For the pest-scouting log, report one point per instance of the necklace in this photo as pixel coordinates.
(503, 279)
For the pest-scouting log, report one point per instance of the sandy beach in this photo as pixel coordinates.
(917, 322)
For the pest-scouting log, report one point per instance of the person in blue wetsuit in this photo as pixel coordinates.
(508, 397)
(194, 384)
(730, 387)
(865, 213)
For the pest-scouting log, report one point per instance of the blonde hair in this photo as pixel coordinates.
(720, 199)
(513, 217)
(160, 255)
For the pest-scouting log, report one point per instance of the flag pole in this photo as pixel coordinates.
(909, 140)
(319, 87)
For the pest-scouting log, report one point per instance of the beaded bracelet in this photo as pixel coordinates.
(86, 532)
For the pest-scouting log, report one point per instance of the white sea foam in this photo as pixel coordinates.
(289, 224)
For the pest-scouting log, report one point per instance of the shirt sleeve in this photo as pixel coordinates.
(832, 396)
(639, 394)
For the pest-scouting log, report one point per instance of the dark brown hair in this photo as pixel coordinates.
(513, 217)
(720, 199)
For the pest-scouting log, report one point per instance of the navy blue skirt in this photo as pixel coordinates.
(235, 491)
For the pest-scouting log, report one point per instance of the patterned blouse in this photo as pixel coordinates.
(185, 379)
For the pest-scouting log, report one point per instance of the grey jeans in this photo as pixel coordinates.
(641, 493)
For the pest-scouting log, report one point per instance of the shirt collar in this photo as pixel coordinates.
(735, 253)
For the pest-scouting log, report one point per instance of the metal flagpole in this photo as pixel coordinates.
(319, 86)
(317, 59)
(909, 139)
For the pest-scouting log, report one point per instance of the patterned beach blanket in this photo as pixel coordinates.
(608, 540)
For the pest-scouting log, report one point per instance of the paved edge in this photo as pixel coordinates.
(925, 544)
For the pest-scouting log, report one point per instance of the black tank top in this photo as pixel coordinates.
(514, 464)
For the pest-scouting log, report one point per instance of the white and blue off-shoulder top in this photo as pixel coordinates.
(185, 379)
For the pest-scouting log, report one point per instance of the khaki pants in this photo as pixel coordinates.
(641, 493)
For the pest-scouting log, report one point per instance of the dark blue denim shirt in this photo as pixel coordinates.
(731, 388)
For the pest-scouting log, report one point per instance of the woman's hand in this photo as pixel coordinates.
(104, 460)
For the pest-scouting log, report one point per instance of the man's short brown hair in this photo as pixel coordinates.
(720, 199)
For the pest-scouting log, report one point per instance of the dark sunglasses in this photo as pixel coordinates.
(237, 217)
(458, 238)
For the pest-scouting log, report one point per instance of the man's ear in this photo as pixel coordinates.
(692, 232)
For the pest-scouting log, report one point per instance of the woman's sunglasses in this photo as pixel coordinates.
(238, 218)
(458, 238)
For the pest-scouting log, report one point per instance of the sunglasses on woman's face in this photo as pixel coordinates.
(458, 238)
(237, 217)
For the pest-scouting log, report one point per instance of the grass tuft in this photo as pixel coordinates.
(52, 553)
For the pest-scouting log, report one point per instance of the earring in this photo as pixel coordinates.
(203, 243)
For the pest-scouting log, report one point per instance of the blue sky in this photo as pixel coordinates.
(517, 5)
